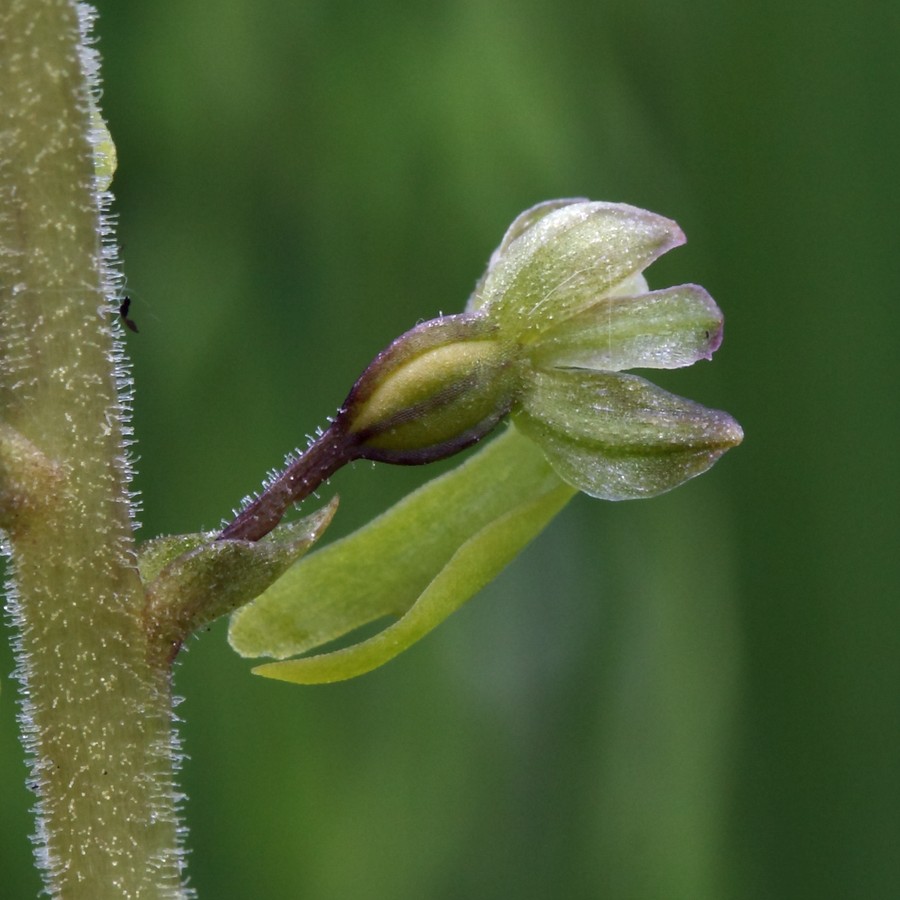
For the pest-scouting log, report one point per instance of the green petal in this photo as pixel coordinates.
(568, 259)
(657, 330)
(619, 437)
(419, 561)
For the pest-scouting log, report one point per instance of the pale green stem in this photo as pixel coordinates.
(96, 710)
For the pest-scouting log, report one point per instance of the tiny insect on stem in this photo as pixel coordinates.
(124, 306)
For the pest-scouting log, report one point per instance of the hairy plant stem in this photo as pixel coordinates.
(96, 708)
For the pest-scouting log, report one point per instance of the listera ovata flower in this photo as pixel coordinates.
(561, 312)
(568, 280)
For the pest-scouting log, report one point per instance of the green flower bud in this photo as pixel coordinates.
(436, 390)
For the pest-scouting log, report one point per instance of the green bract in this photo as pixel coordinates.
(192, 579)
(562, 310)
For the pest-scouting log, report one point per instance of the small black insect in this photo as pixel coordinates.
(123, 312)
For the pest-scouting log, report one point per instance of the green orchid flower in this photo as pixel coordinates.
(562, 309)
(561, 312)
(567, 285)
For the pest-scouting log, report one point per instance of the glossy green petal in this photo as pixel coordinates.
(619, 437)
(567, 259)
(418, 562)
(657, 330)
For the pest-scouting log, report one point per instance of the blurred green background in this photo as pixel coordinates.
(694, 697)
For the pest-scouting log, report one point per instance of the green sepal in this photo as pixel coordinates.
(519, 226)
(663, 329)
(618, 437)
(210, 578)
(564, 259)
(419, 561)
